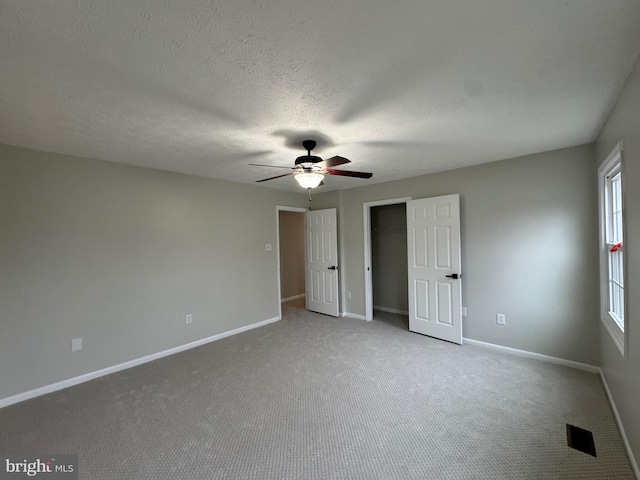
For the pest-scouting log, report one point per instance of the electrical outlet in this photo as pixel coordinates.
(501, 318)
(464, 311)
(349, 295)
(76, 344)
(188, 318)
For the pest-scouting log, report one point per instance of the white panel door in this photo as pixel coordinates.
(433, 241)
(322, 261)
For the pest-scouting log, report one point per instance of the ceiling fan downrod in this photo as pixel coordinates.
(309, 145)
(308, 159)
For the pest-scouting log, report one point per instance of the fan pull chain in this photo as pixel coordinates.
(309, 194)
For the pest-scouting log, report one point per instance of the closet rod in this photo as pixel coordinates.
(390, 229)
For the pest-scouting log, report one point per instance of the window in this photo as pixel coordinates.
(612, 298)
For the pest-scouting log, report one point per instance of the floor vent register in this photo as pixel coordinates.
(580, 439)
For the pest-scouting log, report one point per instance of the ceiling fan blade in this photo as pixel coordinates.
(272, 166)
(347, 173)
(273, 178)
(332, 162)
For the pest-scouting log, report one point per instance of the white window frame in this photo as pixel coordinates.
(611, 166)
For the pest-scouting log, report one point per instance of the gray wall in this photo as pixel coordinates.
(529, 245)
(622, 373)
(292, 261)
(389, 256)
(118, 255)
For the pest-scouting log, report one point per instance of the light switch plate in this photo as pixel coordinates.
(76, 344)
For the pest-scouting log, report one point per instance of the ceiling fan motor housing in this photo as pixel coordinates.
(308, 159)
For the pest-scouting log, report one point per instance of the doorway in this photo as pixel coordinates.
(432, 231)
(368, 273)
(291, 255)
(389, 258)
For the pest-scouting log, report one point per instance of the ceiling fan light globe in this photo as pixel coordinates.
(309, 180)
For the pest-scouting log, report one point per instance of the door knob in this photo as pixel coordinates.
(332, 268)
(455, 276)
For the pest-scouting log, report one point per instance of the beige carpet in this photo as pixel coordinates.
(316, 397)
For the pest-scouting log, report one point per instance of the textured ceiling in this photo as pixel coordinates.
(400, 88)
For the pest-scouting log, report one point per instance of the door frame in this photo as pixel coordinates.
(368, 276)
(280, 208)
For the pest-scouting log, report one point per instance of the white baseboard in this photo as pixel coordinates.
(390, 310)
(295, 297)
(5, 402)
(616, 415)
(353, 315)
(538, 356)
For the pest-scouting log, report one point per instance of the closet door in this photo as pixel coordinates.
(433, 251)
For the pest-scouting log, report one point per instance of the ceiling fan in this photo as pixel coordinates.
(309, 170)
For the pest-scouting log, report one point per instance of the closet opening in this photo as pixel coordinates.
(368, 208)
(389, 258)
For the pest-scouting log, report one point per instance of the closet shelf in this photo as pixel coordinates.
(390, 229)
